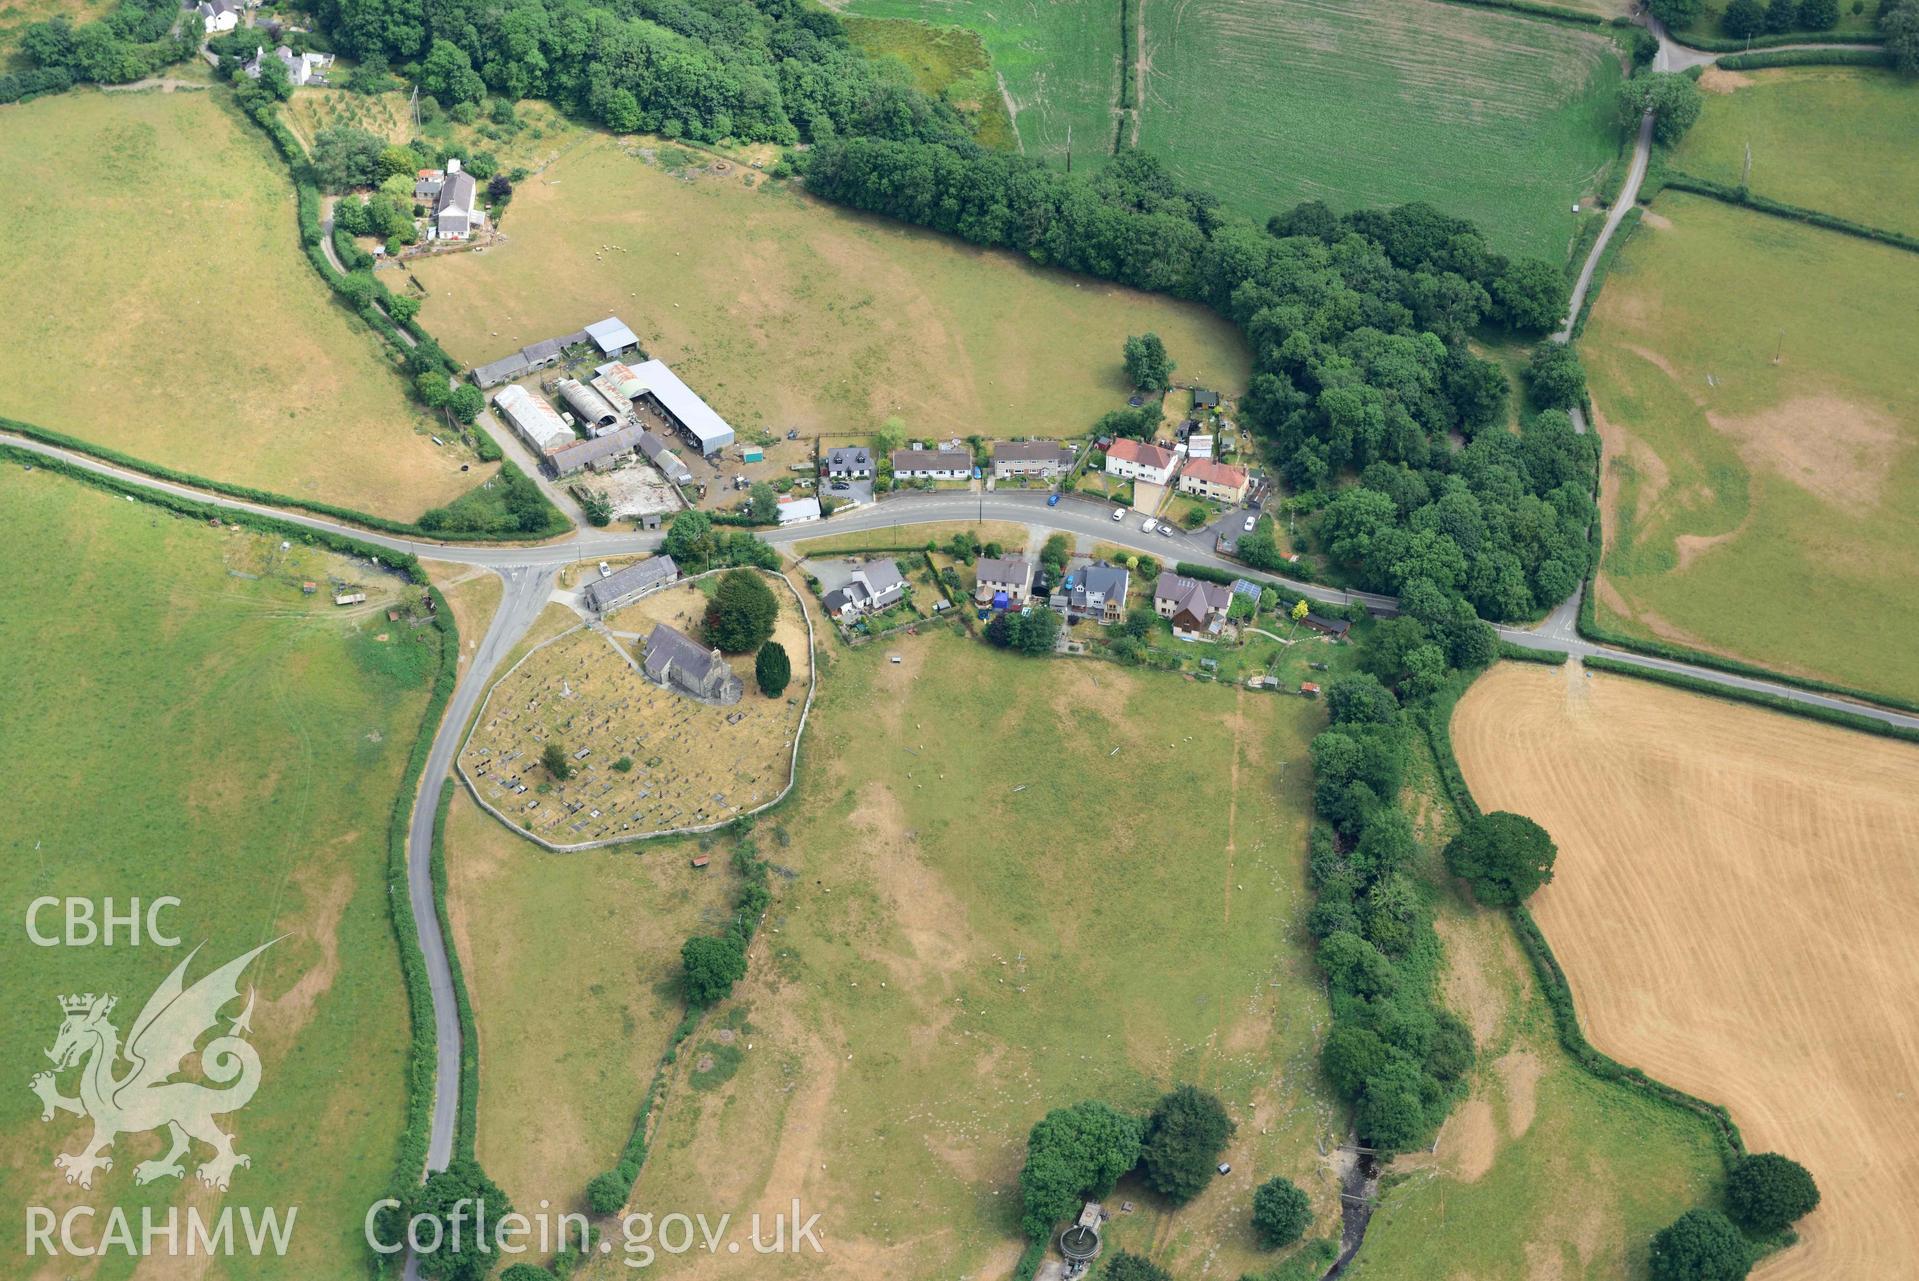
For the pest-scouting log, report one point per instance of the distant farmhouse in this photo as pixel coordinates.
(1196, 608)
(1042, 458)
(932, 464)
(853, 462)
(218, 15)
(875, 585)
(302, 68)
(538, 423)
(624, 586)
(675, 661)
(1098, 592)
(452, 200)
(1004, 582)
(1133, 460)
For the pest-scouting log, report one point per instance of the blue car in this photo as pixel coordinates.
(1052, 500)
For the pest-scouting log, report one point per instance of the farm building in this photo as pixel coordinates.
(797, 511)
(588, 406)
(1098, 592)
(612, 336)
(932, 464)
(624, 586)
(1133, 460)
(539, 355)
(852, 462)
(602, 453)
(1333, 627)
(675, 661)
(619, 376)
(1044, 458)
(680, 406)
(875, 585)
(1004, 582)
(1221, 482)
(538, 423)
(656, 452)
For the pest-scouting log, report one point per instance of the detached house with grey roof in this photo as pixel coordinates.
(453, 202)
(874, 586)
(1098, 592)
(1005, 582)
(1196, 608)
(675, 661)
(853, 462)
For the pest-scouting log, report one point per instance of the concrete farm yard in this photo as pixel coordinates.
(1790, 998)
(1489, 116)
(1013, 887)
(216, 350)
(1755, 392)
(784, 312)
(207, 730)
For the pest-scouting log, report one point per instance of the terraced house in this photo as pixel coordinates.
(1041, 459)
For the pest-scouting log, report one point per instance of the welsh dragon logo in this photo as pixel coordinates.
(142, 1096)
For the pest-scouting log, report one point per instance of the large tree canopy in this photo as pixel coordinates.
(1074, 1152)
(1505, 857)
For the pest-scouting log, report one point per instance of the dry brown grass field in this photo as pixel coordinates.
(165, 309)
(784, 312)
(1733, 903)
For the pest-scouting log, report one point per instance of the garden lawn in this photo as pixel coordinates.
(573, 963)
(165, 309)
(198, 727)
(783, 312)
(1010, 884)
(1866, 172)
(1771, 513)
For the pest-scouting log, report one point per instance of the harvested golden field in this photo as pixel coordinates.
(164, 308)
(784, 312)
(1733, 903)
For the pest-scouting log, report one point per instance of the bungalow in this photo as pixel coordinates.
(1203, 399)
(1004, 582)
(852, 462)
(1046, 459)
(1135, 460)
(1197, 608)
(623, 586)
(675, 661)
(797, 511)
(1098, 592)
(1221, 482)
(875, 585)
(1333, 627)
(932, 464)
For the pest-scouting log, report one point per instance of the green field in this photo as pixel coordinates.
(17, 15)
(1059, 61)
(1009, 885)
(184, 721)
(1500, 119)
(1712, 13)
(784, 312)
(947, 62)
(1503, 120)
(1867, 172)
(1773, 512)
(165, 309)
(1496, 1201)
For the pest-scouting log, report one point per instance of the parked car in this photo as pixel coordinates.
(1052, 500)
(1250, 522)
(606, 570)
(1165, 529)
(1147, 524)
(1119, 513)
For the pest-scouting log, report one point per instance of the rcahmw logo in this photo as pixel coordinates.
(127, 1086)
